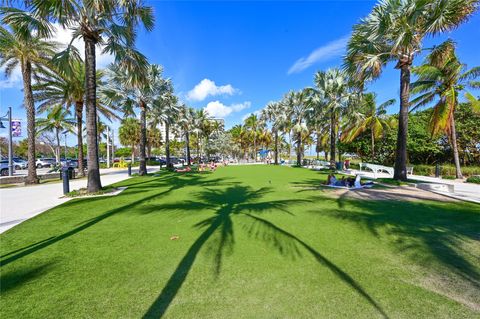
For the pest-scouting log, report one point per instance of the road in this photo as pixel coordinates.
(21, 203)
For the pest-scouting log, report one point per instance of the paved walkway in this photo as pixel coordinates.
(21, 203)
(460, 190)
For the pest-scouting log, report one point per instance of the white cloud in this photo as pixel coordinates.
(14, 81)
(218, 109)
(323, 53)
(207, 88)
(62, 36)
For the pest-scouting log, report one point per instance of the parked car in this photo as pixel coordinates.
(4, 168)
(45, 162)
(19, 163)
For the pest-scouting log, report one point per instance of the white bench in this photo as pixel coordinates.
(380, 168)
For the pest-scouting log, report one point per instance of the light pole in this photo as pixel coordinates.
(8, 117)
(108, 147)
(65, 136)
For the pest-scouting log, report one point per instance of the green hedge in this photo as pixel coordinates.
(446, 170)
(474, 179)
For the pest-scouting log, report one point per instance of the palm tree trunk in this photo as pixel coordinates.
(132, 160)
(32, 177)
(167, 144)
(299, 150)
(458, 170)
(372, 136)
(142, 170)
(332, 140)
(187, 142)
(79, 114)
(400, 169)
(94, 183)
(276, 147)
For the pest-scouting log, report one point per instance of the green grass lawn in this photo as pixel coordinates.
(254, 242)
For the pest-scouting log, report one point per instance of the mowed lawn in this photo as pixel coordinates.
(253, 242)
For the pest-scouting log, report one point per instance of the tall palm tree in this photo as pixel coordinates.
(186, 122)
(276, 115)
(129, 134)
(110, 23)
(200, 124)
(298, 109)
(369, 117)
(59, 86)
(441, 80)
(253, 123)
(27, 49)
(394, 31)
(334, 95)
(58, 120)
(123, 89)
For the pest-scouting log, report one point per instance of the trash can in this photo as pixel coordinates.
(339, 166)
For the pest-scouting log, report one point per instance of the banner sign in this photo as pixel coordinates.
(16, 128)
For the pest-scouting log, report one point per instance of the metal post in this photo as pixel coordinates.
(10, 145)
(66, 181)
(65, 147)
(129, 169)
(108, 148)
(113, 146)
(437, 170)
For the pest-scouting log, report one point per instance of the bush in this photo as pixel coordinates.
(445, 170)
(448, 177)
(474, 179)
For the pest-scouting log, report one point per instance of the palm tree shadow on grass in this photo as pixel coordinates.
(414, 226)
(236, 200)
(173, 182)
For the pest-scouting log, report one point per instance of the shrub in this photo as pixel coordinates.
(474, 179)
(445, 170)
(448, 177)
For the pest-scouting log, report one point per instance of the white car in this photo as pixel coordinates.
(19, 163)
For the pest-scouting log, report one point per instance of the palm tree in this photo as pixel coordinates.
(253, 124)
(186, 123)
(238, 134)
(298, 109)
(27, 49)
(154, 139)
(59, 86)
(369, 117)
(335, 98)
(110, 23)
(443, 77)
(200, 123)
(275, 114)
(123, 89)
(129, 134)
(57, 120)
(394, 31)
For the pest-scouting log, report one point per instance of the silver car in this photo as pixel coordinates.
(19, 163)
(4, 168)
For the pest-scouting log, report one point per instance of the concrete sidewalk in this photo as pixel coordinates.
(21, 203)
(460, 190)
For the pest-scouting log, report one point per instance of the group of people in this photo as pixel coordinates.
(345, 182)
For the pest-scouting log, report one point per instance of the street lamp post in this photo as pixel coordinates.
(8, 117)
(65, 136)
(108, 147)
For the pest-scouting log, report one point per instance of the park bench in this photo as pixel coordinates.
(380, 168)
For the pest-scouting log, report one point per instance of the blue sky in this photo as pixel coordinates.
(234, 57)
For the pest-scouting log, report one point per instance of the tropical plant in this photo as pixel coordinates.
(332, 97)
(394, 31)
(298, 108)
(275, 114)
(253, 124)
(371, 117)
(186, 123)
(129, 134)
(124, 90)
(110, 23)
(58, 120)
(441, 80)
(25, 48)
